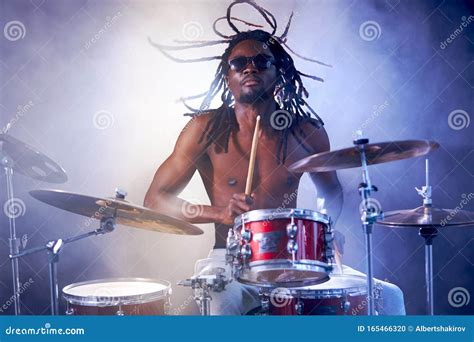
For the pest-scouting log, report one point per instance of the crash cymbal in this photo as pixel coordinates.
(427, 216)
(376, 153)
(29, 162)
(124, 212)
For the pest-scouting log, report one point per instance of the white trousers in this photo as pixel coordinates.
(238, 298)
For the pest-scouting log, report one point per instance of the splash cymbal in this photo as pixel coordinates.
(29, 162)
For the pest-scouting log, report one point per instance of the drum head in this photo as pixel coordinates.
(337, 285)
(283, 273)
(116, 291)
(281, 213)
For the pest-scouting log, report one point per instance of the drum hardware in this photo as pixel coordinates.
(24, 159)
(280, 248)
(299, 306)
(341, 295)
(362, 155)
(203, 284)
(110, 212)
(369, 217)
(428, 220)
(291, 230)
(54, 248)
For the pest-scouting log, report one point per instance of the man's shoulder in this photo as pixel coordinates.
(197, 125)
(315, 134)
(198, 121)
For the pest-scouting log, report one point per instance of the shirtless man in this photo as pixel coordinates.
(252, 68)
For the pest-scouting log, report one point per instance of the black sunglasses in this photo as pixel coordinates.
(260, 61)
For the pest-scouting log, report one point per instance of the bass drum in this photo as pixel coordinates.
(118, 296)
(341, 295)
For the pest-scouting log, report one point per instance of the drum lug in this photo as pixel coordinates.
(329, 252)
(292, 247)
(329, 237)
(299, 306)
(120, 312)
(291, 230)
(232, 247)
(167, 307)
(346, 305)
(246, 235)
(264, 302)
(245, 251)
(70, 311)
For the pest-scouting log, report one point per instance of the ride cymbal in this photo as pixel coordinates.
(376, 153)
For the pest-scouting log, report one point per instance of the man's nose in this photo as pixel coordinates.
(250, 69)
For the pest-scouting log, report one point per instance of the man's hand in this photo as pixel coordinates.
(238, 204)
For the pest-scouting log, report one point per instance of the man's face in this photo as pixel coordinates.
(251, 84)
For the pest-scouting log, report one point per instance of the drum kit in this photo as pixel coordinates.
(272, 249)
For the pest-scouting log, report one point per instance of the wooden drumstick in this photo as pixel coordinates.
(253, 155)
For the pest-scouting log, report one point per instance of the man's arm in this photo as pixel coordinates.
(329, 190)
(327, 184)
(176, 172)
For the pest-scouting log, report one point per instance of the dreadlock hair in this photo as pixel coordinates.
(289, 92)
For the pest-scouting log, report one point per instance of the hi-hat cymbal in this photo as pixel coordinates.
(124, 212)
(29, 162)
(376, 153)
(426, 216)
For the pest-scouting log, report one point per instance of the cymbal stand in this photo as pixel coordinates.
(368, 217)
(14, 242)
(428, 233)
(54, 248)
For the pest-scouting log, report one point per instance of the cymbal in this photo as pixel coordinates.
(29, 162)
(376, 153)
(425, 216)
(124, 212)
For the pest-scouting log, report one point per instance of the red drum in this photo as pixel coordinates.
(118, 296)
(281, 247)
(341, 295)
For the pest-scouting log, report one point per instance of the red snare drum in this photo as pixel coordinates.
(341, 295)
(281, 247)
(118, 296)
